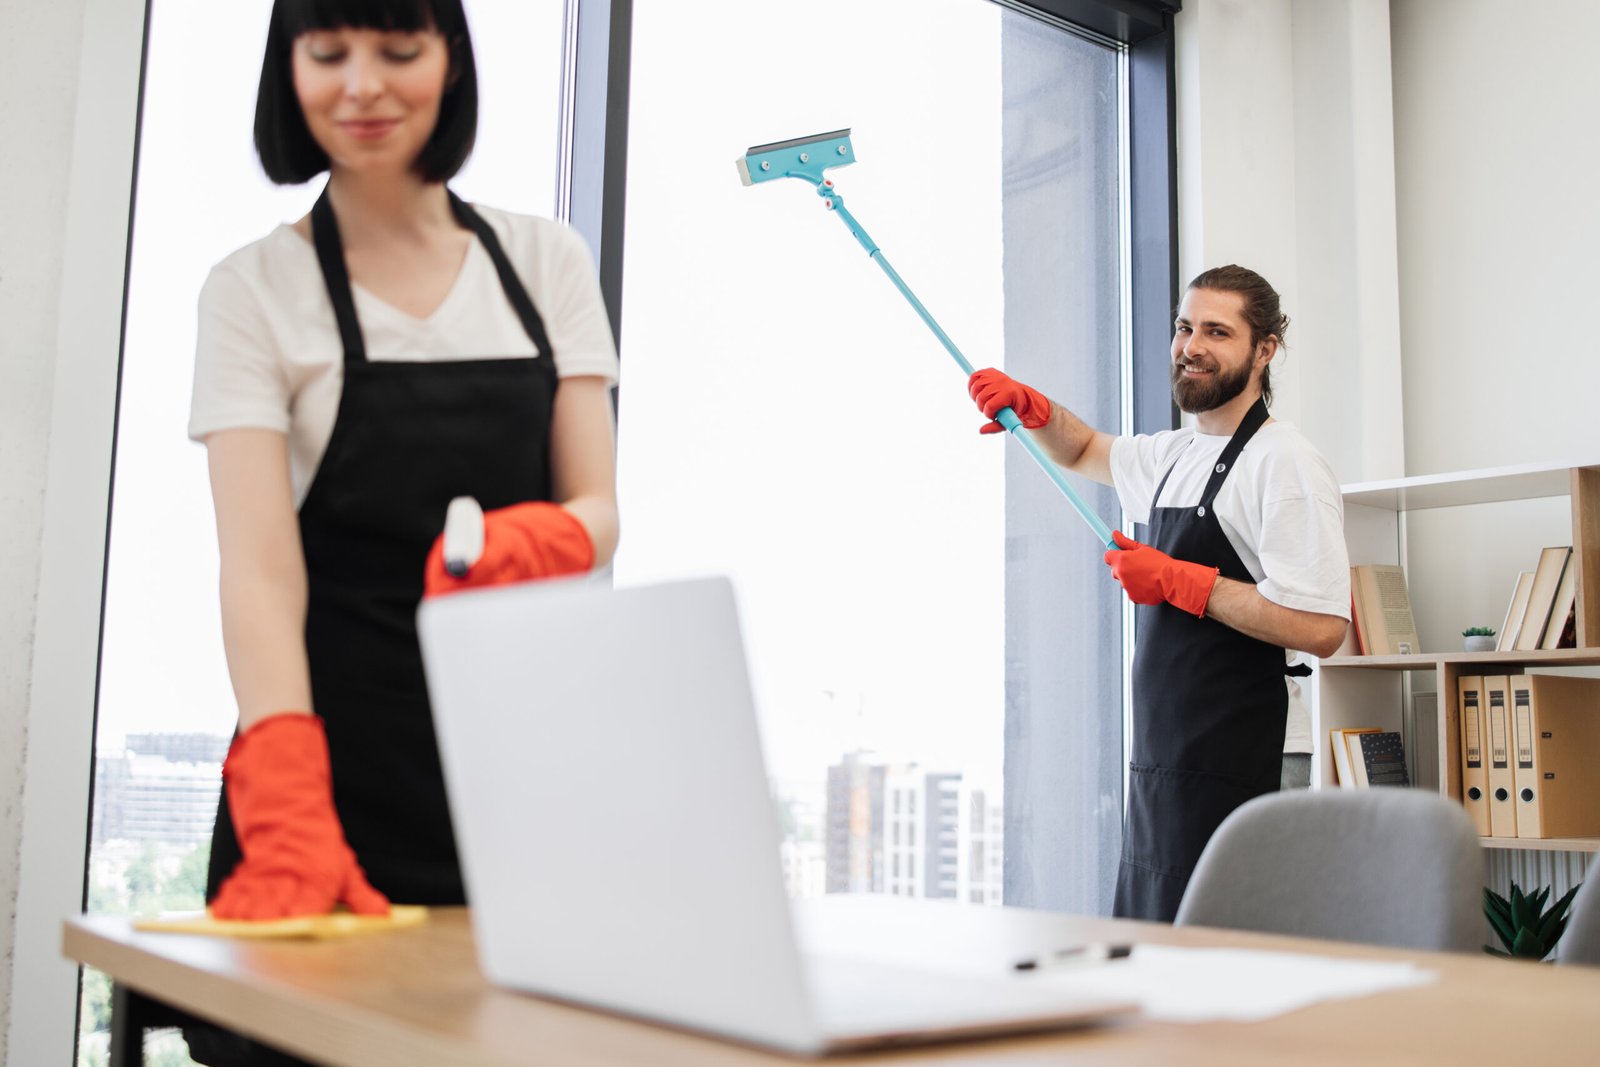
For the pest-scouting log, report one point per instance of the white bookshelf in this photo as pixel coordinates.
(1352, 691)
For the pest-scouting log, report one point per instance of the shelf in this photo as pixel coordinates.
(1528, 482)
(1379, 690)
(1424, 661)
(1544, 844)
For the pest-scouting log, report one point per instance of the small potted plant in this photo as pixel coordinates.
(1478, 639)
(1524, 927)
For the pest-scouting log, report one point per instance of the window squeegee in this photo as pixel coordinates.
(807, 158)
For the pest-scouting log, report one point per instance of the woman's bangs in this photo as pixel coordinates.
(300, 16)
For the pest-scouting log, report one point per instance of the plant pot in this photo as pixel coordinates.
(1478, 643)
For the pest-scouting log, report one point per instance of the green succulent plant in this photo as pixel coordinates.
(1478, 631)
(1525, 929)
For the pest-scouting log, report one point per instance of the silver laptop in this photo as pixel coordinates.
(618, 837)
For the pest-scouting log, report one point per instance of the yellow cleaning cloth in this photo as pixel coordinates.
(313, 927)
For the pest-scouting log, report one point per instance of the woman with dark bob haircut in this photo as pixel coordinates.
(355, 371)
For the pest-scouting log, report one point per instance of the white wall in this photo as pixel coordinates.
(1494, 161)
(38, 96)
(1496, 154)
(1286, 166)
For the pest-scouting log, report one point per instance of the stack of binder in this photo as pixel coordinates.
(1528, 746)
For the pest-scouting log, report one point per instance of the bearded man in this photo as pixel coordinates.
(1240, 563)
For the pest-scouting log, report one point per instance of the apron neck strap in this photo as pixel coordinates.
(532, 324)
(330, 255)
(1253, 420)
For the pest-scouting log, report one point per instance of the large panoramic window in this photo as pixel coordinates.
(933, 644)
(166, 709)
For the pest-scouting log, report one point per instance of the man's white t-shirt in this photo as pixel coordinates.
(1280, 508)
(268, 353)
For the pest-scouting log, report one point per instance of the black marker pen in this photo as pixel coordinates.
(1094, 952)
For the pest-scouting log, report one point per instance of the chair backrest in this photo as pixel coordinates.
(1581, 941)
(1383, 866)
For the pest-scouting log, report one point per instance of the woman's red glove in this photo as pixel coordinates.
(521, 542)
(994, 391)
(296, 861)
(1150, 576)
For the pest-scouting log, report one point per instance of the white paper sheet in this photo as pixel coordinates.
(1191, 985)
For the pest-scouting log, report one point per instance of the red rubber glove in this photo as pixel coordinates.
(296, 861)
(521, 542)
(1150, 576)
(993, 391)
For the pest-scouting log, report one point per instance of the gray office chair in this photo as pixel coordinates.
(1385, 866)
(1581, 941)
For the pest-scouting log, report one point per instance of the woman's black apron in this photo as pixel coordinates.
(1209, 710)
(409, 436)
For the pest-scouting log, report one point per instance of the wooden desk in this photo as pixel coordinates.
(415, 998)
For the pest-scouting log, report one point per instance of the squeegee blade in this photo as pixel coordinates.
(796, 142)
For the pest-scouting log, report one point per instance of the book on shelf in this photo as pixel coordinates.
(1339, 747)
(1356, 608)
(1352, 751)
(1384, 608)
(1378, 758)
(1341, 758)
(1514, 612)
(1568, 637)
(1561, 611)
(1541, 599)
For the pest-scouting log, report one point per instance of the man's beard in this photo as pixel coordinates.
(1197, 395)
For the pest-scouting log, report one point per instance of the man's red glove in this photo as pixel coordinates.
(296, 861)
(521, 542)
(1150, 576)
(993, 391)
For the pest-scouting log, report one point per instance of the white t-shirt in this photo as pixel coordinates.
(268, 353)
(1280, 508)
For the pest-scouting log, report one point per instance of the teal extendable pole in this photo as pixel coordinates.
(806, 158)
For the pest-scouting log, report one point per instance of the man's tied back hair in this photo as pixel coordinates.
(1261, 308)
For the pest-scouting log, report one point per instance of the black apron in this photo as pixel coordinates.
(409, 436)
(1209, 710)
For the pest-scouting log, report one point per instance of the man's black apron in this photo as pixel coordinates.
(1209, 709)
(409, 436)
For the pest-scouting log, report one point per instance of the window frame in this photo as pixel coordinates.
(59, 757)
(1144, 31)
(1145, 27)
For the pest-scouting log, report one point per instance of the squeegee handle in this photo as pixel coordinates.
(836, 205)
(1013, 424)
(1007, 417)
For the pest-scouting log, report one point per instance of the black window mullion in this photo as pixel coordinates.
(1153, 196)
(596, 182)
